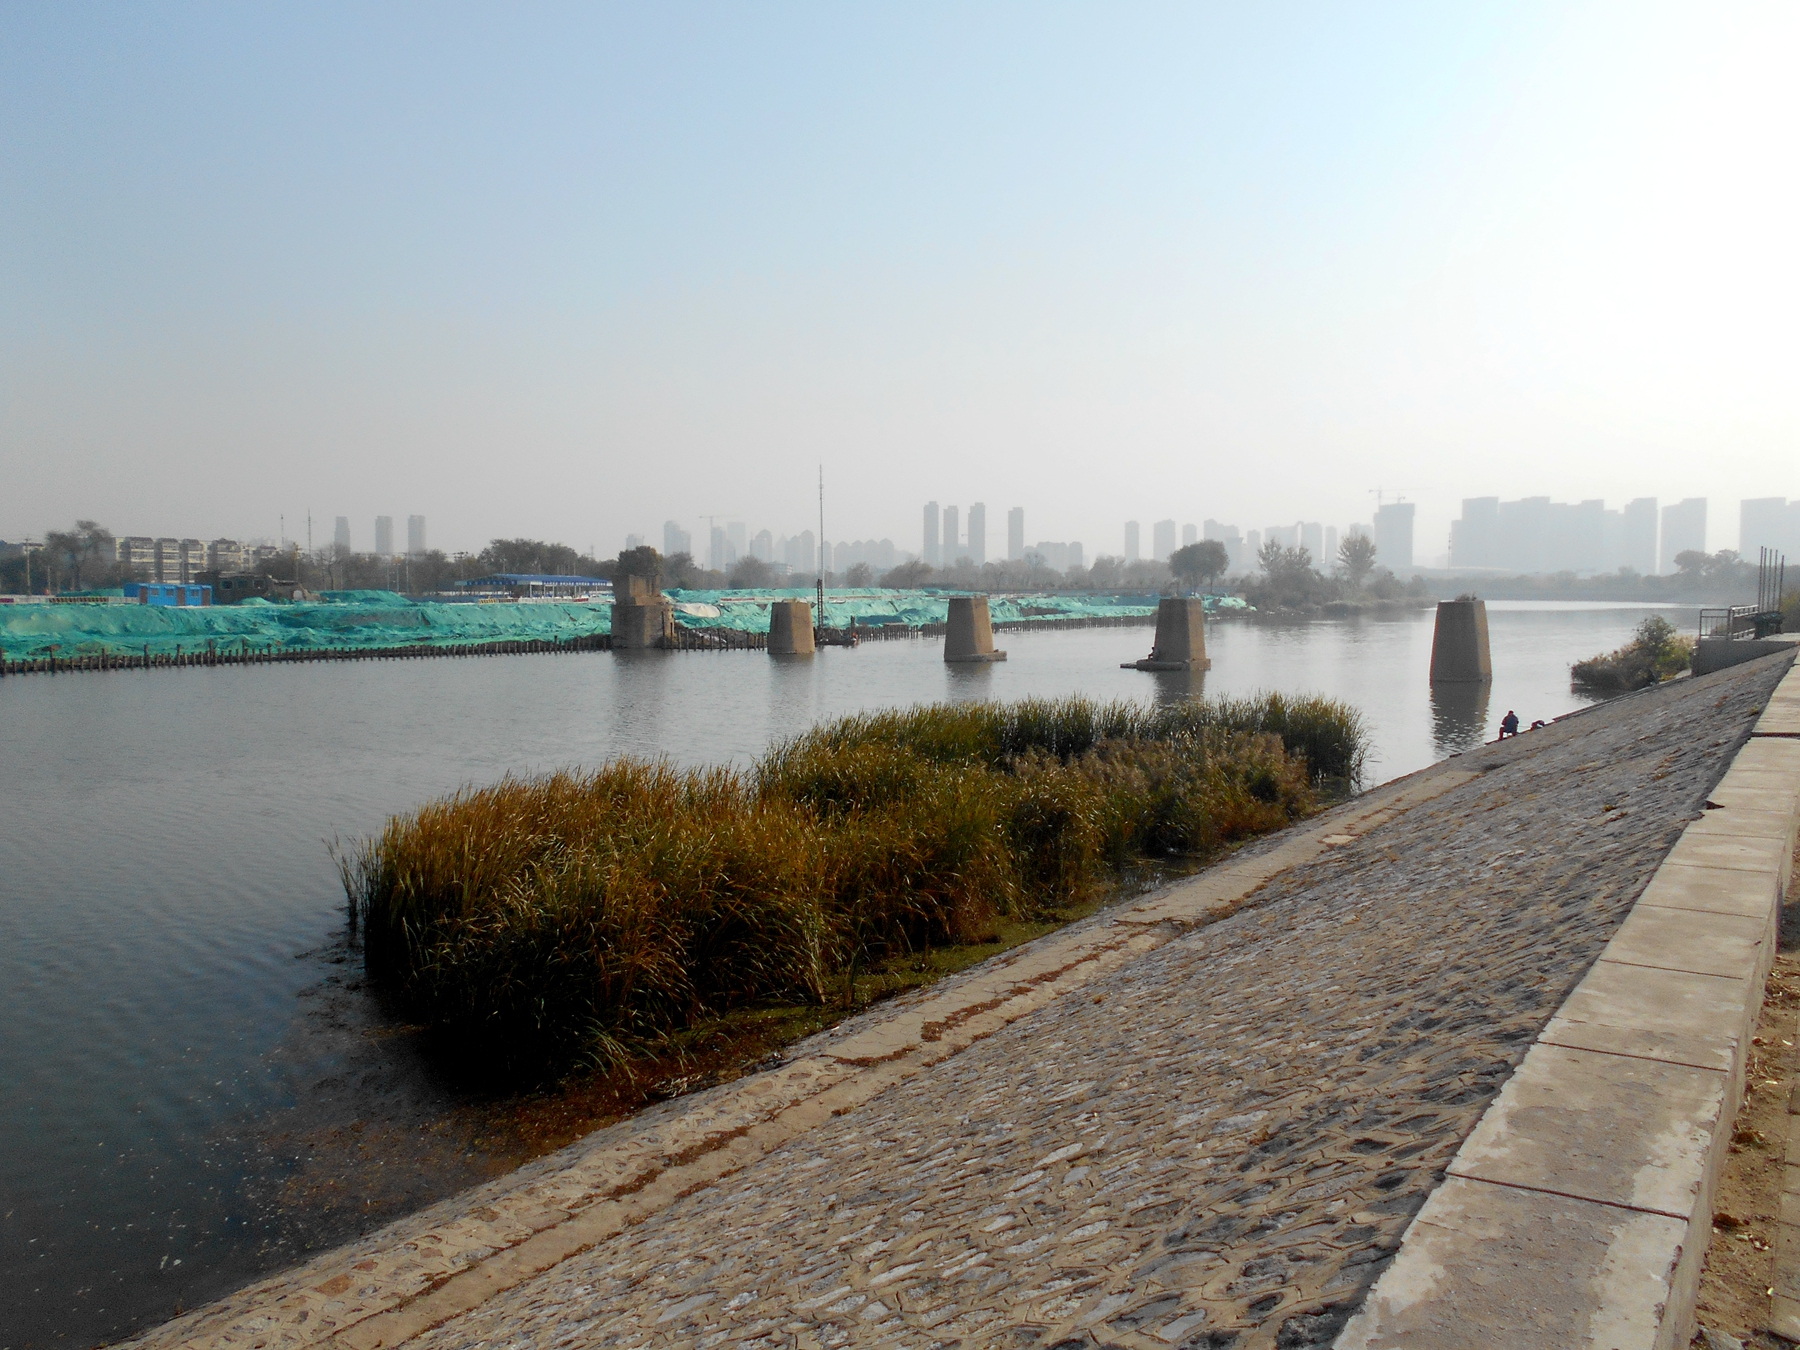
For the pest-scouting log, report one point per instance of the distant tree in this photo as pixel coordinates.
(1195, 564)
(1279, 562)
(1106, 573)
(860, 575)
(642, 561)
(1356, 555)
(1692, 561)
(532, 555)
(82, 557)
(750, 573)
(908, 576)
(681, 572)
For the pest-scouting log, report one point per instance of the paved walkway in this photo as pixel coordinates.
(1214, 1138)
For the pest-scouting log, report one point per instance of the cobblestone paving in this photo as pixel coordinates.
(1217, 1145)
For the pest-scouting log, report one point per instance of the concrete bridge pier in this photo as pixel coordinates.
(790, 628)
(1459, 645)
(1180, 638)
(969, 635)
(641, 616)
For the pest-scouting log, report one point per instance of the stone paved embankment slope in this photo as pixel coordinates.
(1216, 1144)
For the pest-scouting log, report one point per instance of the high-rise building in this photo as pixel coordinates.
(977, 542)
(676, 540)
(1253, 542)
(1190, 534)
(1394, 535)
(1312, 539)
(738, 538)
(415, 536)
(930, 554)
(1162, 540)
(1329, 556)
(718, 550)
(1766, 522)
(340, 534)
(384, 536)
(952, 544)
(1638, 544)
(633, 541)
(1228, 535)
(1015, 534)
(763, 546)
(1133, 553)
(1475, 539)
(1535, 534)
(1683, 531)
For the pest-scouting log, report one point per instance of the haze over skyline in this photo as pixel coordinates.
(568, 273)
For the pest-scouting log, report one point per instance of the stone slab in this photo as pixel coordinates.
(1609, 1128)
(1673, 1016)
(1770, 753)
(1740, 821)
(1678, 886)
(1488, 1265)
(1733, 852)
(1695, 941)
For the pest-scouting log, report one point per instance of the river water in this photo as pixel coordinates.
(169, 912)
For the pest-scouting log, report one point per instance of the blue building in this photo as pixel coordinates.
(169, 594)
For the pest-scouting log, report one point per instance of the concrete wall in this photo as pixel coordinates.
(1717, 653)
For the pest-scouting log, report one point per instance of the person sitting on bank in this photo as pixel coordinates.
(1509, 725)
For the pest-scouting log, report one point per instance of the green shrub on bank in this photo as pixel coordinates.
(585, 916)
(1655, 653)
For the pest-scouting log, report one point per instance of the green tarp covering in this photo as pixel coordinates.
(347, 620)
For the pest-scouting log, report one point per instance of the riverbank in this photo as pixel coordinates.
(187, 813)
(1114, 1126)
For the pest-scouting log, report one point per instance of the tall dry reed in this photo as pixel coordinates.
(582, 917)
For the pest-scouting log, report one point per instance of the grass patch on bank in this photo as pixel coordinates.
(1655, 653)
(601, 919)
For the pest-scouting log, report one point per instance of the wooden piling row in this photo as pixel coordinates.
(243, 654)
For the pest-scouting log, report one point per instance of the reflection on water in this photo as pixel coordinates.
(1176, 686)
(163, 864)
(1459, 717)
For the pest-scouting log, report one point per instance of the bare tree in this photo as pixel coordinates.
(1356, 555)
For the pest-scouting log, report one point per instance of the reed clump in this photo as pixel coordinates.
(584, 917)
(1655, 653)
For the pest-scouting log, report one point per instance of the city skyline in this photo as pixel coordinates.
(621, 255)
(1525, 535)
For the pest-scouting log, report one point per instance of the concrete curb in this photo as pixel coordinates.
(427, 1269)
(1578, 1211)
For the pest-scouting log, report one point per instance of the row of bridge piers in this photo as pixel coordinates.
(1459, 645)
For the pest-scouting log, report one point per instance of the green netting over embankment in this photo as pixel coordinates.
(352, 620)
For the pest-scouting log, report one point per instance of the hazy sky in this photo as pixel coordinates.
(567, 272)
